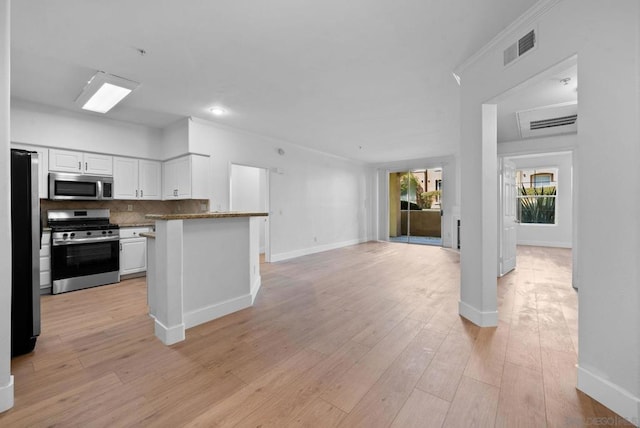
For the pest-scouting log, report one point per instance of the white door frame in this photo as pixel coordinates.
(267, 196)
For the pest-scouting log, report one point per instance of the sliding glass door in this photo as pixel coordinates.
(414, 206)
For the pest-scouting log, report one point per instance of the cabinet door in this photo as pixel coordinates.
(133, 255)
(150, 179)
(45, 263)
(98, 164)
(169, 188)
(65, 161)
(183, 178)
(125, 178)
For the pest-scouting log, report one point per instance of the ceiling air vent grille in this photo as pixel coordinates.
(526, 43)
(552, 123)
(522, 46)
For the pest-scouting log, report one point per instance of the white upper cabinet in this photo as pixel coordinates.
(125, 178)
(186, 177)
(43, 167)
(150, 179)
(136, 179)
(98, 164)
(79, 162)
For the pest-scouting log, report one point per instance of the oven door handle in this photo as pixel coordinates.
(56, 243)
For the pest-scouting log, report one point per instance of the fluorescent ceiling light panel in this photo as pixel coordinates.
(104, 91)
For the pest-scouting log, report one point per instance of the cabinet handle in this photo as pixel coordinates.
(141, 193)
(136, 193)
(120, 246)
(86, 166)
(79, 166)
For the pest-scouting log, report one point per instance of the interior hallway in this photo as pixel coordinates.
(366, 335)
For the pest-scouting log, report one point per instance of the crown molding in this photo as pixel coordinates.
(541, 8)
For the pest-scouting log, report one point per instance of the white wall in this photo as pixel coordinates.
(558, 234)
(317, 201)
(6, 380)
(175, 140)
(606, 40)
(45, 126)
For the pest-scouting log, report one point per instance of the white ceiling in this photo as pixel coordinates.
(364, 79)
(546, 89)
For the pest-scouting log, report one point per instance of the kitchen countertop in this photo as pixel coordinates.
(204, 215)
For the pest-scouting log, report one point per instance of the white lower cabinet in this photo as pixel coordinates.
(45, 263)
(133, 250)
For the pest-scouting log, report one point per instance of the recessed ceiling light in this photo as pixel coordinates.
(104, 91)
(217, 111)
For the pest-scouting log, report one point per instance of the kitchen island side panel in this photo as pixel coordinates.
(217, 274)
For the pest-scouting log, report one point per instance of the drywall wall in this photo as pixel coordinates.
(558, 234)
(46, 126)
(6, 380)
(317, 201)
(175, 140)
(606, 42)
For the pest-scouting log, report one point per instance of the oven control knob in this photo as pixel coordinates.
(88, 233)
(72, 235)
(104, 233)
(110, 232)
(64, 236)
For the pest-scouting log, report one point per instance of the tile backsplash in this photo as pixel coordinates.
(120, 212)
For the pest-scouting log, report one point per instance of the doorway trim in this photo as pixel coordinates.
(267, 197)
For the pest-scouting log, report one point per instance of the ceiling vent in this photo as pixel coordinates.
(519, 48)
(551, 123)
(550, 120)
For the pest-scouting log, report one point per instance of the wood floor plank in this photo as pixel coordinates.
(486, 362)
(521, 398)
(280, 409)
(246, 400)
(422, 410)
(345, 392)
(474, 405)
(318, 413)
(385, 399)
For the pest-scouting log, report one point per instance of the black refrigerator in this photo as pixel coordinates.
(25, 252)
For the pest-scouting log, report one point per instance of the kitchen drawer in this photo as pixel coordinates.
(45, 279)
(45, 251)
(132, 232)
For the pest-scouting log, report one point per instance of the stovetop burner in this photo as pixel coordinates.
(84, 226)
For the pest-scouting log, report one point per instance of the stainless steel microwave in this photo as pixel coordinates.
(66, 186)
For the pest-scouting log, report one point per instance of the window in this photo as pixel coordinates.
(541, 179)
(537, 193)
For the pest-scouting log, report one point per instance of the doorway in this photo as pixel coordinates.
(249, 191)
(415, 206)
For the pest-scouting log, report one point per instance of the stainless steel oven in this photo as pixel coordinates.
(85, 249)
(66, 186)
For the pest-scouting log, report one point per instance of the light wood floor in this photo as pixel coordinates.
(362, 336)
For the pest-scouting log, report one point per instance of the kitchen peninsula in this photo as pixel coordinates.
(201, 267)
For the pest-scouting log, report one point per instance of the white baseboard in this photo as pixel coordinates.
(553, 244)
(6, 396)
(313, 250)
(610, 395)
(481, 319)
(169, 335)
(255, 287)
(209, 313)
